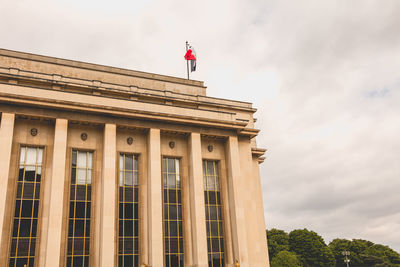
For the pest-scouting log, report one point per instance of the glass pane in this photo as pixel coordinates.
(177, 166)
(173, 228)
(128, 194)
(121, 162)
(211, 197)
(173, 212)
(90, 159)
(164, 165)
(74, 158)
(89, 177)
(128, 211)
(171, 165)
(214, 228)
(165, 179)
(40, 156)
(136, 164)
(210, 168)
(22, 156)
(81, 176)
(128, 178)
(121, 178)
(171, 181)
(128, 162)
(178, 181)
(31, 156)
(136, 178)
(172, 196)
(81, 160)
(216, 170)
(210, 183)
(28, 190)
(213, 212)
(73, 176)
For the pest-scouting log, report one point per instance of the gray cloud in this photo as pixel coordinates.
(323, 75)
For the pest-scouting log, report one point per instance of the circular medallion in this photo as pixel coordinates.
(84, 136)
(34, 131)
(171, 144)
(129, 140)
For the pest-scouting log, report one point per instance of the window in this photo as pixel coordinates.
(24, 233)
(79, 209)
(214, 220)
(128, 237)
(172, 195)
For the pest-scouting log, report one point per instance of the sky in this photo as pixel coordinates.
(324, 76)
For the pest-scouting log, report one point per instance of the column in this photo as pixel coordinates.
(237, 214)
(6, 137)
(154, 200)
(108, 198)
(197, 209)
(54, 234)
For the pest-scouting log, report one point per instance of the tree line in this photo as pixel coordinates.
(304, 248)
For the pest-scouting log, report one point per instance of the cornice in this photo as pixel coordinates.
(98, 67)
(258, 153)
(29, 96)
(59, 82)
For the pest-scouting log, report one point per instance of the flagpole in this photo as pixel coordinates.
(187, 61)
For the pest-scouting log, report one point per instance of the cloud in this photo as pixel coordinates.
(323, 75)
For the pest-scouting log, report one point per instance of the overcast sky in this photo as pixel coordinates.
(324, 76)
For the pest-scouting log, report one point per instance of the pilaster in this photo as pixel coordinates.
(54, 230)
(238, 223)
(197, 208)
(108, 198)
(6, 137)
(154, 195)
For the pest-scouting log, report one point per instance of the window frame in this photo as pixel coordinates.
(67, 192)
(222, 216)
(140, 214)
(181, 177)
(14, 180)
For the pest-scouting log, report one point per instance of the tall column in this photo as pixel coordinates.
(54, 231)
(108, 198)
(236, 203)
(6, 137)
(155, 240)
(197, 208)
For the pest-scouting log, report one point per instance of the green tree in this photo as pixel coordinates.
(379, 255)
(357, 248)
(278, 240)
(285, 259)
(311, 248)
(364, 253)
(337, 246)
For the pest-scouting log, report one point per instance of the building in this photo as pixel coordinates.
(104, 166)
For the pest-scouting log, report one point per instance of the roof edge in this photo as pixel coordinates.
(98, 67)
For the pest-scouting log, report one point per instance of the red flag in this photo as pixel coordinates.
(189, 55)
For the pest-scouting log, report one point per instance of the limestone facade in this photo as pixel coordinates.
(61, 106)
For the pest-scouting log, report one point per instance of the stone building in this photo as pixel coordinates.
(102, 166)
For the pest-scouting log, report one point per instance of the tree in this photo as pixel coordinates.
(364, 253)
(380, 255)
(278, 240)
(285, 259)
(337, 246)
(311, 248)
